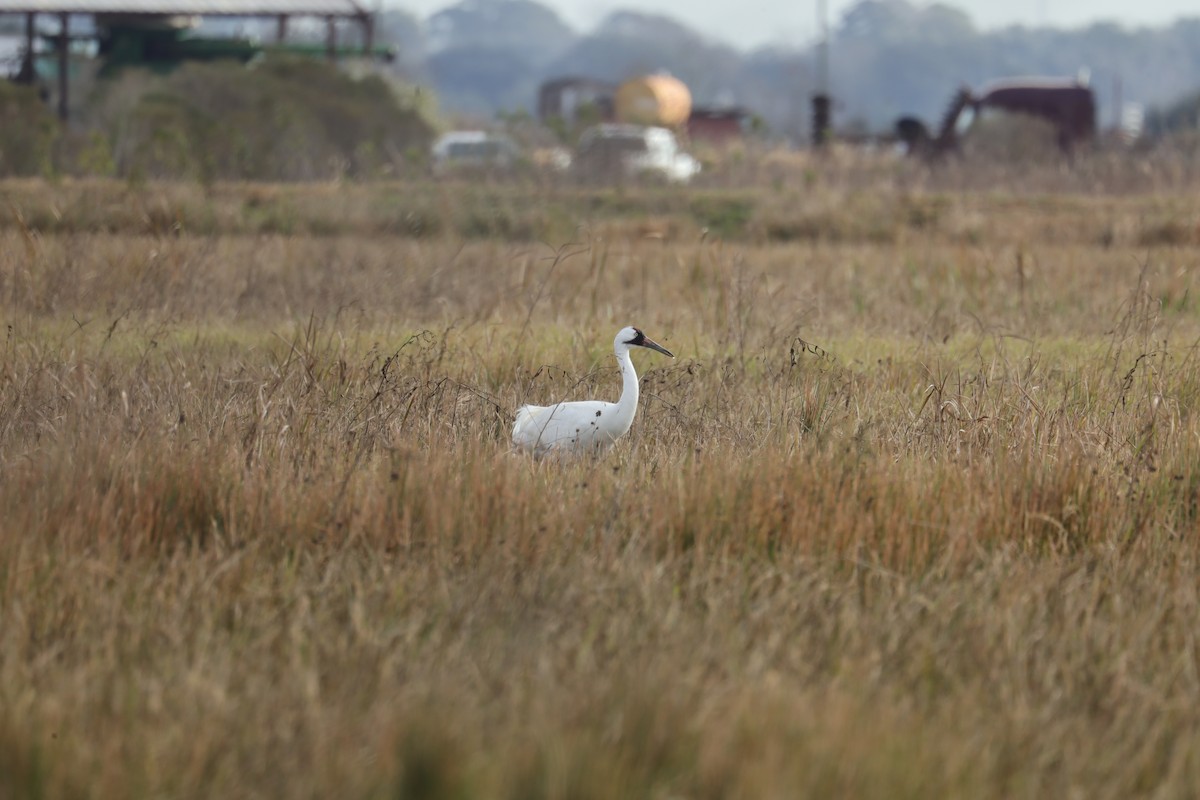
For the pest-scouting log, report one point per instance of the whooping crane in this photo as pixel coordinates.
(587, 426)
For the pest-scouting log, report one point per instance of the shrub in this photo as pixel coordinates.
(281, 119)
(28, 131)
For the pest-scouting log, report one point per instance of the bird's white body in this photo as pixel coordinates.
(586, 426)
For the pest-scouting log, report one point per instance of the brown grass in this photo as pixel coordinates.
(913, 514)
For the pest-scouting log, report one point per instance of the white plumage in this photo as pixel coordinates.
(587, 426)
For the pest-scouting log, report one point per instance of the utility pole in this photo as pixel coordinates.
(28, 73)
(1118, 103)
(820, 100)
(822, 48)
(64, 65)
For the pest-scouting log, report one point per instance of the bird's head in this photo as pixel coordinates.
(633, 337)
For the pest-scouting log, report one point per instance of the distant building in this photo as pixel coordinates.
(151, 32)
(717, 126)
(649, 100)
(565, 97)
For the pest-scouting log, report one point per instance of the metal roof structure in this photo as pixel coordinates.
(215, 8)
(149, 13)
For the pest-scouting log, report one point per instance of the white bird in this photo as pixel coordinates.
(587, 426)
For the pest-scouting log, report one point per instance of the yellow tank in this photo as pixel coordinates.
(653, 100)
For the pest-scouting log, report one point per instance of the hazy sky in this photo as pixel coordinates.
(749, 23)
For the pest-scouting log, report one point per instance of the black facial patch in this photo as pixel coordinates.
(639, 338)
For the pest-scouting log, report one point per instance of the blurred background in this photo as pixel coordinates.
(318, 89)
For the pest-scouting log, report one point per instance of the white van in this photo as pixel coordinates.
(473, 150)
(614, 150)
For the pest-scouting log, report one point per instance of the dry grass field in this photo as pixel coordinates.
(915, 513)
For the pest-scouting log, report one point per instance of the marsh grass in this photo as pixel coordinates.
(909, 515)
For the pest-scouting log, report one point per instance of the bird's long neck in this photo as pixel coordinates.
(627, 405)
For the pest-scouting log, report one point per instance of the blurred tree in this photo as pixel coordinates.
(488, 55)
(406, 33)
(505, 25)
(484, 80)
(285, 119)
(28, 133)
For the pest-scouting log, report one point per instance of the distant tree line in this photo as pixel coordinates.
(284, 119)
(888, 58)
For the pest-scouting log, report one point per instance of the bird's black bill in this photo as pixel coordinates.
(655, 346)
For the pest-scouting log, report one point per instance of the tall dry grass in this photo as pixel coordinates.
(911, 515)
